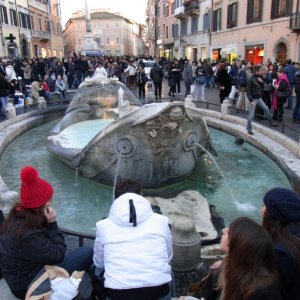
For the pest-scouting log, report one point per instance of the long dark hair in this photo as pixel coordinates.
(20, 220)
(283, 233)
(249, 264)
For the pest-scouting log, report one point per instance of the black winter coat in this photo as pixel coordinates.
(254, 88)
(156, 74)
(297, 82)
(21, 259)
(4, 87)
(286, 266)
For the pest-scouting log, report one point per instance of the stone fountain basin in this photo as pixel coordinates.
(155, 144)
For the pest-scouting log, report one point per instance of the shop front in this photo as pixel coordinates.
(229, 52)
(168, 51)
(216, 55)
(255, 54)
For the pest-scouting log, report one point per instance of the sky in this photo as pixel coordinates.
(132, 9)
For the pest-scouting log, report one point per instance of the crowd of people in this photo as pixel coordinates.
(265, 89)
(133, 247)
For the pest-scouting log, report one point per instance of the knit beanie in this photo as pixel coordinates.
(35, 191)
(283, 205)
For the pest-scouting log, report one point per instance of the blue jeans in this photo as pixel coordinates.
(290, 98)
(209, 81)
(4, 103)
(79, 259)
(260, 103)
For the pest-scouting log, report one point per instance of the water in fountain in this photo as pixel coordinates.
(248, 171)
(76, 177)
(218, 168)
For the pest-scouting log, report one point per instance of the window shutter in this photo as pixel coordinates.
(229, 16)
(235, 16)
(289, 7)
(215, 20)
(260, 10)
(28, 22)
(275, 8)
(250, 5)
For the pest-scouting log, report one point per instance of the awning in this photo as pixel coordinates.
(229, 49)
(94, 53)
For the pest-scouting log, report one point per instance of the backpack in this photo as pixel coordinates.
(242, 78)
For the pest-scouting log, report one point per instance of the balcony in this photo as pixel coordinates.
(179, 12)
(192, 7)
(42, 35)
(295, 22)
(43, 6)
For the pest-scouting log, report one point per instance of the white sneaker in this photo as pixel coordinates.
(179, 94)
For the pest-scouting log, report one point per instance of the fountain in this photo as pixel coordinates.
(152, 144)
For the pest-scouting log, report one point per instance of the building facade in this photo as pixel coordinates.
(182, 28)
(114, 34)
(256, 30)
(15, 28)
(27, 28)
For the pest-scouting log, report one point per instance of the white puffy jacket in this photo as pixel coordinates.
(133, 256)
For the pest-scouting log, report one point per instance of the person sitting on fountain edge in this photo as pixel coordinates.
(30, 238)
(134, 247)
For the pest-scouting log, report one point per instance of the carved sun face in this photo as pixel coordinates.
(176, 113)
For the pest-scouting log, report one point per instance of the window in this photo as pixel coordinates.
(59, 29)
(232, 15)
(28, 21)
(79, 41)
(107, 40)
(183, 29)
(52, 27)
(117, 40)
(157, 11)
(3, 15)
(173, 8)
(164, 10)
(175, 30)
(194, 24)
(254, 11)
(158, 30)
(40, 23)
(281, 8)
(24, 20)
(167, 12)
(32, 21)
(167, 32)
(47, 26)
(206, 22)
(13, 17)
(216, 20)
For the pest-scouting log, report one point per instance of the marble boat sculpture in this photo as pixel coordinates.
(106, 131)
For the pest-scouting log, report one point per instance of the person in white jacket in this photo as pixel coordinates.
(134, 247)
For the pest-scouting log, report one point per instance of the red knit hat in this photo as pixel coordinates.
(35, 191)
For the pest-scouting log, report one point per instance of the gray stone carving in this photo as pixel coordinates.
(192, 205)
(105, 133)
(7, 198)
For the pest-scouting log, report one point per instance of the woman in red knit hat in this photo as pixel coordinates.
(30, 238)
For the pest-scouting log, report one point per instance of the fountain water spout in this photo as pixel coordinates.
(218, 168)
